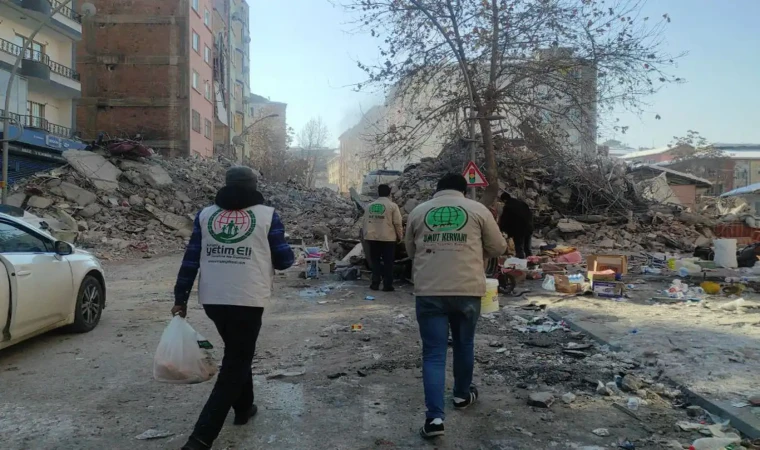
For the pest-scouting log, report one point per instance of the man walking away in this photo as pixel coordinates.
(517, 222)
(382, 229)
(236, 243)
(448, 237)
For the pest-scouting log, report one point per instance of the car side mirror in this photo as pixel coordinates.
(63, 248)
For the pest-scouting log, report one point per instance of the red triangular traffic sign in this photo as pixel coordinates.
(474, 176)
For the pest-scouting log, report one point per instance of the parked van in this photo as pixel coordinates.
(377, 177)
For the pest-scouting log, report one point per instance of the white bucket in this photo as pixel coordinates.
(489, 303)
(725, 253)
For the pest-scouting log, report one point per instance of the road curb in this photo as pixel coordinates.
(711, 406)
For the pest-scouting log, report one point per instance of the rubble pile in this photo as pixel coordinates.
(596, 204)
(130, 207)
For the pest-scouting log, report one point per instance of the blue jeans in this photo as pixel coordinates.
(435, 315)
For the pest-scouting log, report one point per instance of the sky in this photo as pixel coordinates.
(304, 53)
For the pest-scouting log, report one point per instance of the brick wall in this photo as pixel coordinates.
(133, 61)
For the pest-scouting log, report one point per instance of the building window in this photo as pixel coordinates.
(208, 90)
(238, 122)
(196, 42)
(207, 129)
(207, 18)
(196, 77)
(36, 115)
(196, 5)
(196, 121)
(36, 51)
(207, 54)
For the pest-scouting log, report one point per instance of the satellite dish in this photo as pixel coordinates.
(88, 9)
(237, 140)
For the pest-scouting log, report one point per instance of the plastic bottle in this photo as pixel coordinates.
(576, 278)
(713, 443)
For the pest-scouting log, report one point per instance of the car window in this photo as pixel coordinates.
(17, 240)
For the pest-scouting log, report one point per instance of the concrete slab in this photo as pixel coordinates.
(153, 174)
(98, 170)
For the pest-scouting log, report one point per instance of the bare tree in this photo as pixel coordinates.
(312, 137)
(543, 66)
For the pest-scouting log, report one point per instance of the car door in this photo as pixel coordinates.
(42, 279)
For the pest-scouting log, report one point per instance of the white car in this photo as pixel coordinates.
(45, 284)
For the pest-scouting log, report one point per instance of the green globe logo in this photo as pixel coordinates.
(231, 227)
(377, 208)
(446, 218)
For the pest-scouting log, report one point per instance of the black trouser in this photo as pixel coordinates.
(522, 244)
(239, 328)
(385, 252)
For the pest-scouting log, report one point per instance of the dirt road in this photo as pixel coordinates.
(95, 391)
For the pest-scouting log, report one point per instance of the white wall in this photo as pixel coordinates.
(57, 47)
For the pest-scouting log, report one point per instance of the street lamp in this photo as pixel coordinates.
(6, 112)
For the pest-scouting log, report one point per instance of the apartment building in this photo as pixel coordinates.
(147, 71)
(46, 85)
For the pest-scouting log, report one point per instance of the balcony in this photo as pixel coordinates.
(40, 123)
(60, 69)
(43, 74)
(66, 21)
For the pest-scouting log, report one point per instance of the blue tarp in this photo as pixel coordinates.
(743, 190)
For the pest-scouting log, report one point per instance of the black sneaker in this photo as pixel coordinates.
(431, 430)
(374, 287)
(469, 401)
(388, 289)
(242, 419)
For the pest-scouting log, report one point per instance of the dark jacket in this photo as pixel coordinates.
(230, 198)
(516, 218)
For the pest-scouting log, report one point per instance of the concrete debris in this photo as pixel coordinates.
(541, 399)
(120, 208)
(171, 220)
(568, 398)
(603, 432)
(154, 434)
(580, 203)
(39, 202)
(72, 192)
(95, 168)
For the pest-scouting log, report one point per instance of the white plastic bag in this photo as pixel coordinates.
(179, 359)
(725, 253)
(549, 284)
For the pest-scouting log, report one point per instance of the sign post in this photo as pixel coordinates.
(474, 176)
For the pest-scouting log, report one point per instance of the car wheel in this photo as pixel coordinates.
(89, 305)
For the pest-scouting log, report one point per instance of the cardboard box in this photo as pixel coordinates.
(609, 289)
(599, 263)
(605, 275)
(562, 284)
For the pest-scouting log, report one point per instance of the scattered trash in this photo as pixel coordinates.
(714, 443)
(369, 297)
(735, 305)
(627, 445)
(154, 434)
(501, 350)
(549, 283)
(541, 399)
(603, 432)
(630, 383)
(633, 403)
(336, 375)
(357, 327)
(710, 287)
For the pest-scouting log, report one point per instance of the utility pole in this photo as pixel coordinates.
(6, 111)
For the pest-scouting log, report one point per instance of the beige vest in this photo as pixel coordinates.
(449, 237)
(382, 221)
